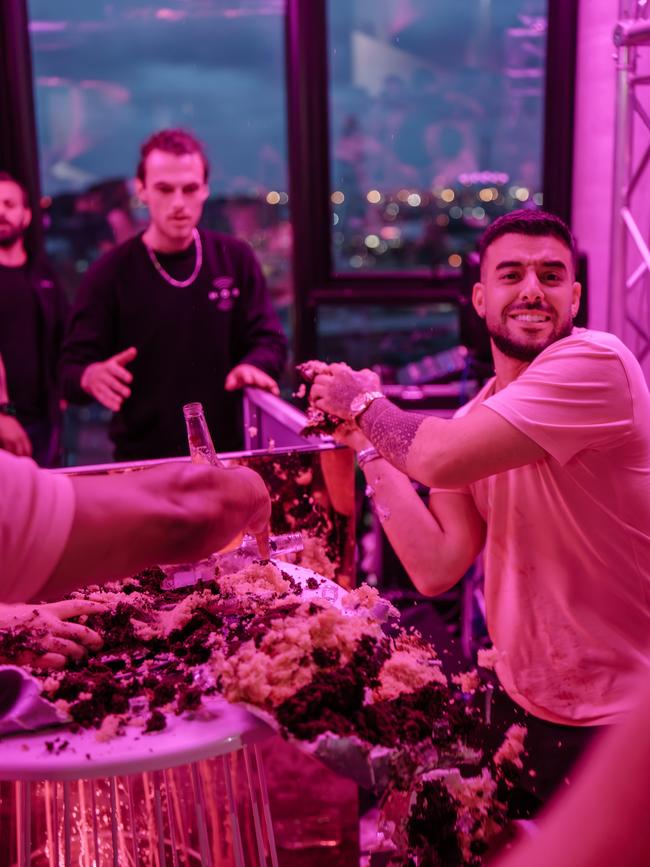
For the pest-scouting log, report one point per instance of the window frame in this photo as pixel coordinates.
(315, 282)
(307, 103)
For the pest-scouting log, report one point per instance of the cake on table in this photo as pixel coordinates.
(330, 670)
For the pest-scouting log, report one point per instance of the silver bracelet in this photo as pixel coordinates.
(366, 455)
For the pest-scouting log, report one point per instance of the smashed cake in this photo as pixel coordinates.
(336, 675)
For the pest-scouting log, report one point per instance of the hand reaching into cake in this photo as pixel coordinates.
(52, 637)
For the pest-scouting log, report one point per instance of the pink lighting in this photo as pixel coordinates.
(170, 14)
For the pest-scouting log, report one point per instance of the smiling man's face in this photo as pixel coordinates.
(527, 295)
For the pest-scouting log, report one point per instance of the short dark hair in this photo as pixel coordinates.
(5, 176)
(172, 141)
(524, 222)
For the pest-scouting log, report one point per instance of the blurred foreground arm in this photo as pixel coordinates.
(603, 819)
(126, 522)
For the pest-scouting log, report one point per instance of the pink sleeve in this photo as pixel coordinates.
(574, 396)
(36, 513)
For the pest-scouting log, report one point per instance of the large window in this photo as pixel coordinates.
(436, 126)
(107, 74)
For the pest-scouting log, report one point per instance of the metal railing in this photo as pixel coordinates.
(629, 292)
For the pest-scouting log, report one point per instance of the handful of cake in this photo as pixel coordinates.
(318, 421)
(327, 669)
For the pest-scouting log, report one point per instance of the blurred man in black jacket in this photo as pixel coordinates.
(32, 323)
(174, 315)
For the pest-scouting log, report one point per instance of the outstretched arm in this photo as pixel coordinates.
(445, 453)
(168, 514)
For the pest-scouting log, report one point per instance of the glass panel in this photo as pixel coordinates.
(364, 335)
(436, 119)
(108, 74)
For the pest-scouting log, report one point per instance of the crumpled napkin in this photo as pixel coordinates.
(22, 708)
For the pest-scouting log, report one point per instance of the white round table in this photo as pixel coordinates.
(191, 795)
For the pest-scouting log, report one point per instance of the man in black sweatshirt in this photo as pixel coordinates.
(33, 310)
(172, 316)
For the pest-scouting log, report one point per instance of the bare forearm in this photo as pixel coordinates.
(124, 523)
(434, 559)
(398, 436)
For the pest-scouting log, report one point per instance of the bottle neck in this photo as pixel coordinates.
(202, 449)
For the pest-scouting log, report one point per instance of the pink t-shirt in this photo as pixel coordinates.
(567, 553)
(36, 513)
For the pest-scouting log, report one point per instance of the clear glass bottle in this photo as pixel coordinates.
(242, 549)
(202, 449)
(198, 436)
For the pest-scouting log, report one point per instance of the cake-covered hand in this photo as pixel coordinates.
(52, 637)
(318, 422)
(334, 390)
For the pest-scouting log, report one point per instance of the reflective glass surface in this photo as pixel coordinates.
(365, 335)
(108, 74)
(436, 122)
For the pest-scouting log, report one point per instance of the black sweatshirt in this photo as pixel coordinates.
(188, 339)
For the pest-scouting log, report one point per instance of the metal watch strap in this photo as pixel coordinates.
(365, 400)
(366, 455)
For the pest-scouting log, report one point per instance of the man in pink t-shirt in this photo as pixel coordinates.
(548, 471)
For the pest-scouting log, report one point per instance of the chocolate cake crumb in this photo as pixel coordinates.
(163, 693)
(156, 722)
(189, 698)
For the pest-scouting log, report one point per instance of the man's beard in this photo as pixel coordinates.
(10, 234)
(528, 351)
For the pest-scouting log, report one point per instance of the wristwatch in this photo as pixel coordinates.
(361, 402)
(7, 409)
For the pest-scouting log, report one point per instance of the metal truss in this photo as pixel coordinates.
(629, 292)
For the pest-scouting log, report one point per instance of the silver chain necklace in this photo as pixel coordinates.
(180, 284)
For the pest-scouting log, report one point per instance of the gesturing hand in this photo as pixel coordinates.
(248, 374)
(108, 381)
(13, 437)
(52, 639)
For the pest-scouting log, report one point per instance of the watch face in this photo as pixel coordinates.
(358, 403)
